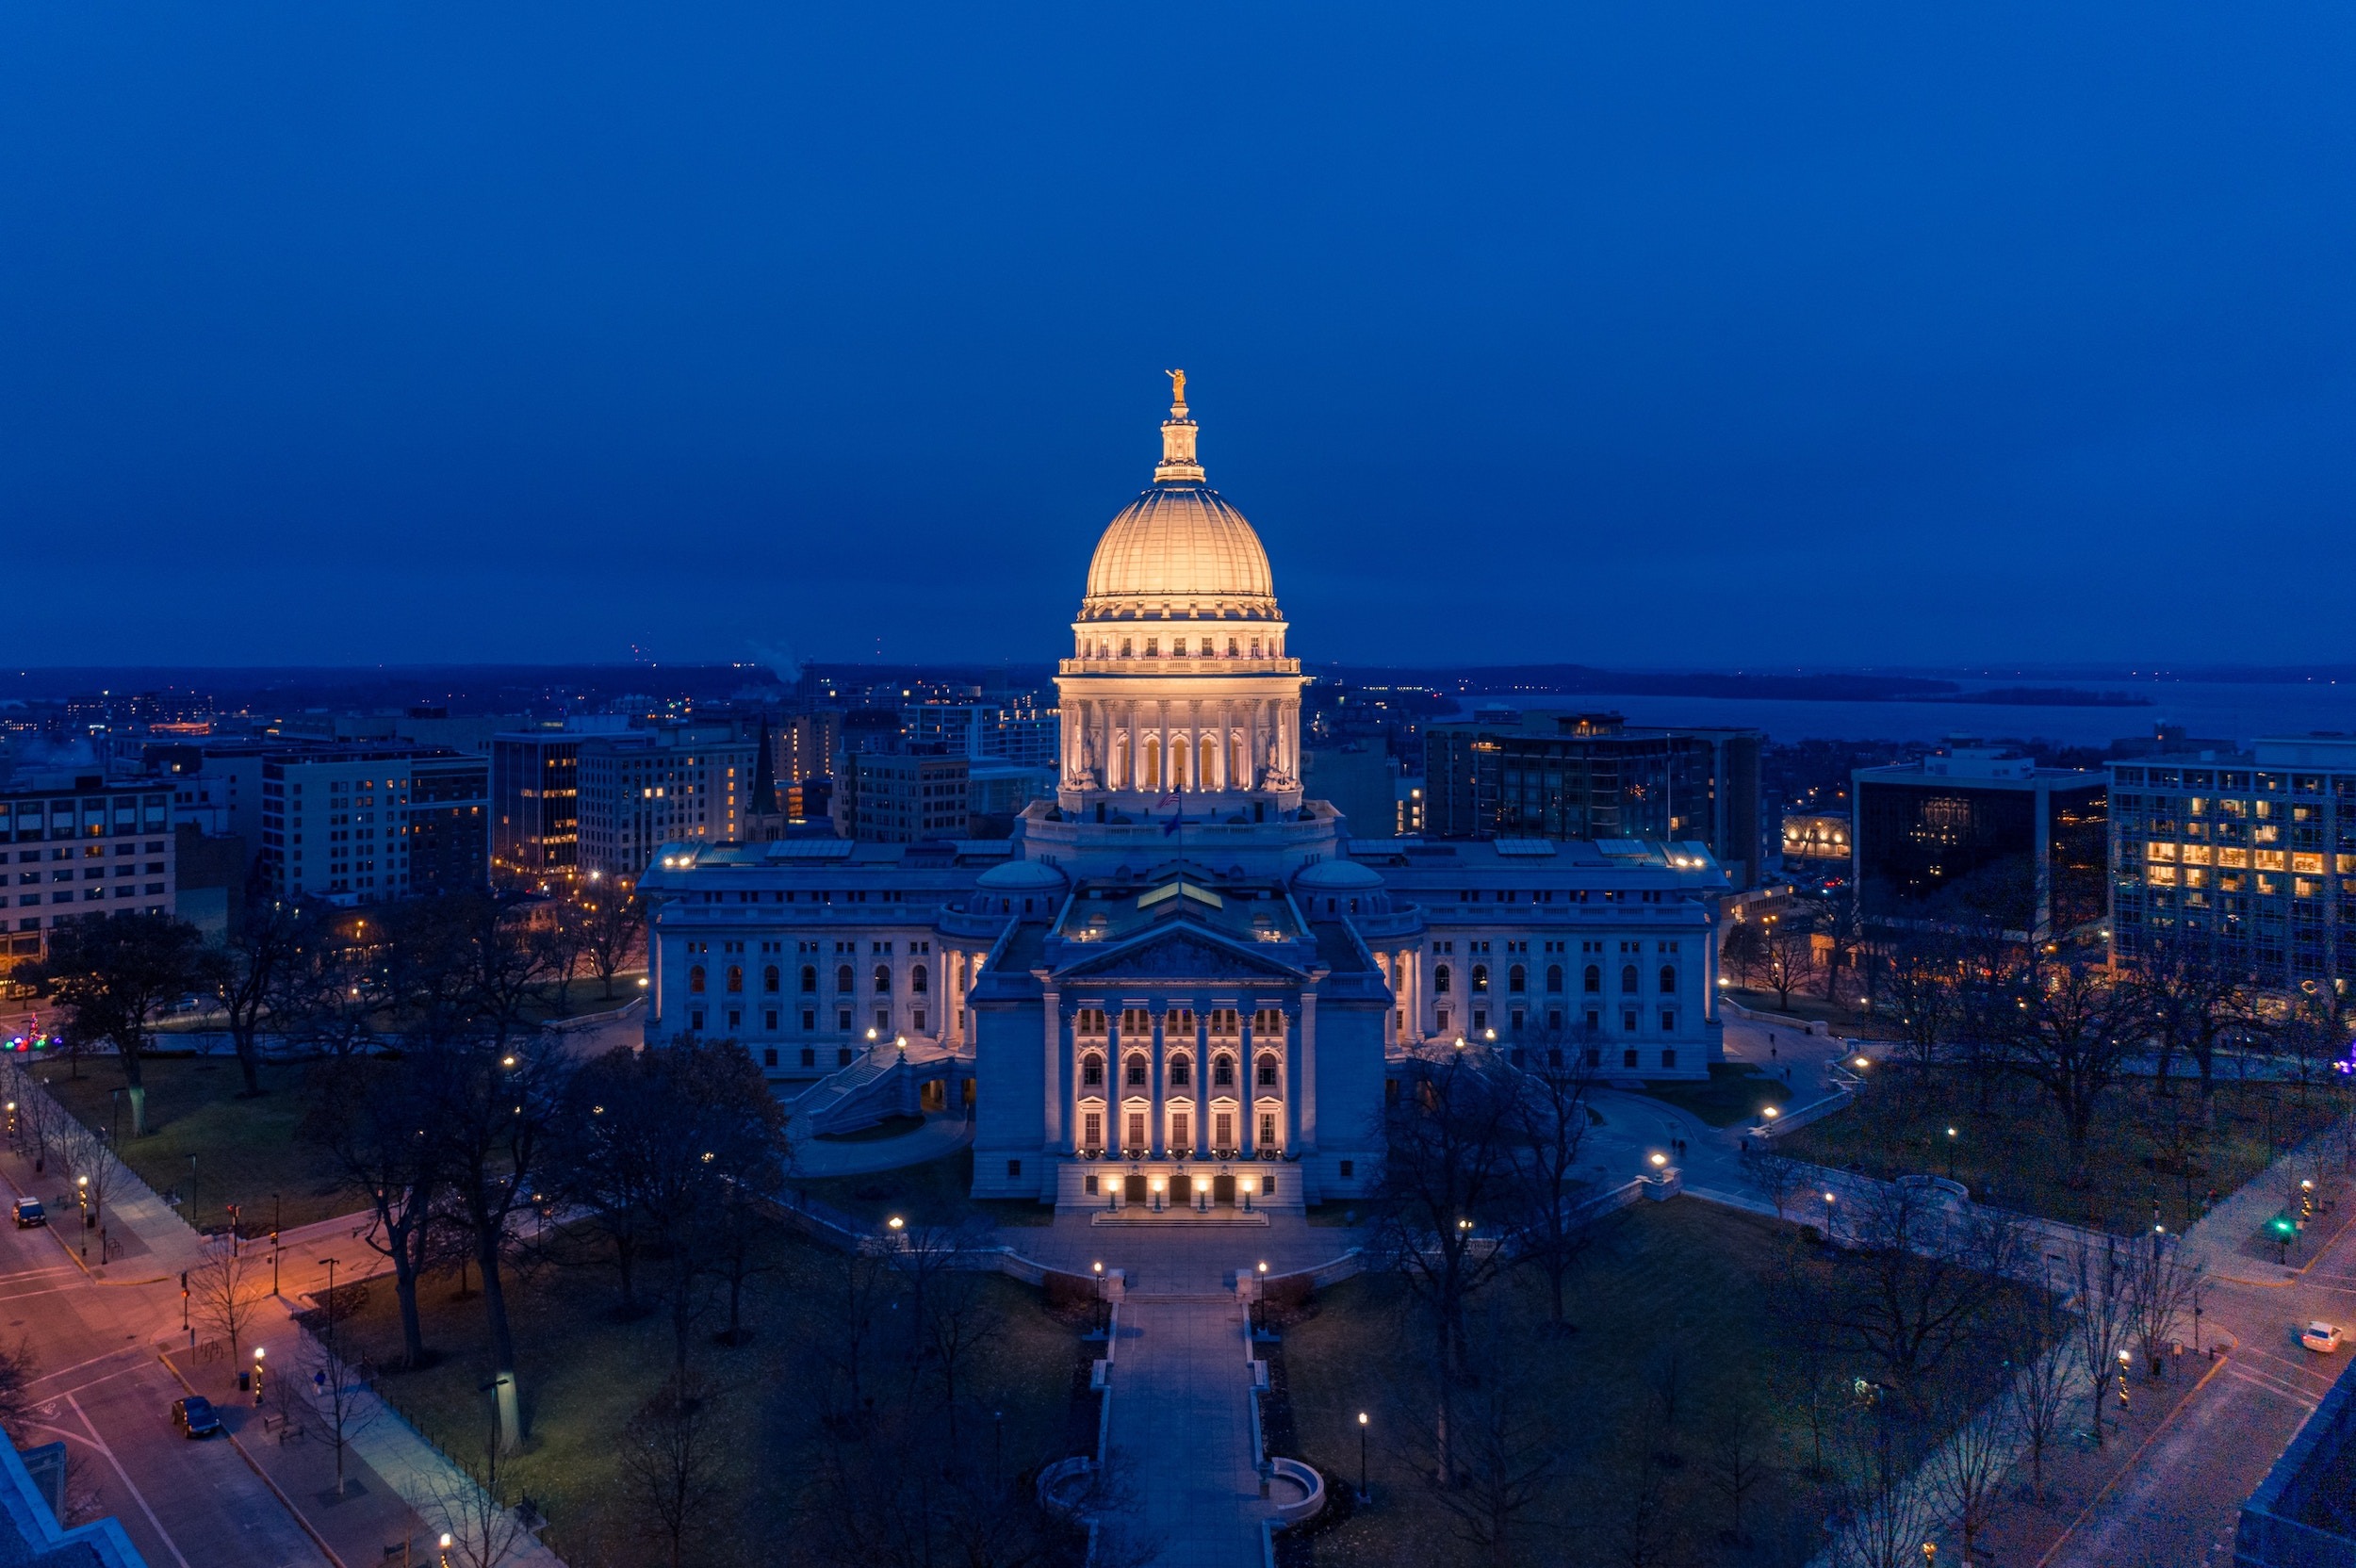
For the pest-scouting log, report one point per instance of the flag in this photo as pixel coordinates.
(1172, 825)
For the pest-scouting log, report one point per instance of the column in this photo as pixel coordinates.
(1155, 1137)
(1203, 1091)
(1052, 1005)
(1304, 1116)
(1161, 718)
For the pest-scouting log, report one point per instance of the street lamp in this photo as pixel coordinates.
(1158, 1183)
(1362, 1456)
(1770, 1112)
(1658, 1159)
(2122, 1379)
(1097, 1268)
(1203, 1195)
(81, 1190)
(445, 1549)
(257, 1374)
(1828, 1218)
(1259, 1311)
(898, 1228)
(277, 1212)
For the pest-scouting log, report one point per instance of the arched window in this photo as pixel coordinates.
(1554, 977)
(920, 980)
(843, 980)
(770, 979)
(1181, 1072)
(1205, 750)
(1178, 756)
(736, 977)
(1093, 1072)
(1125, 645)
(883, 979)
(1517, 979)
(1668, 980)
(1267, 1072)
(1628, 979)
(809, 979)
(1481, 978)
(1595, 980)
(1136, 1072)
(696, 979)
(1236, 779)
(1223, 1072)
(1440, 980)
(1152, 778)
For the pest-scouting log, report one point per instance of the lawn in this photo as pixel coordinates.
(2014, 1152)
(584, 1373)
(1674, 1328)
(1811, 1007)
(246, 1149)
(1671, 1295)
(1736, 1092)
(933, 1192)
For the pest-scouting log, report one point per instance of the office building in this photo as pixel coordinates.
(1360, 780)
(683, 783)
(900, 797)
(1502, 773)
(79, 845)
(2250, 855)
(1026, 736)
(1973, 833)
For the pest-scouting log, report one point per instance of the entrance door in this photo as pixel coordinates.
(1133, 1189)
(1222, 1188)
(934, 1096)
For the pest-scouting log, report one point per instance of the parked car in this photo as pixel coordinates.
(29, 1212)
(2323, 1338)
(194, 1416)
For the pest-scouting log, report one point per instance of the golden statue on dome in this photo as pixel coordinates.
(1177, 388)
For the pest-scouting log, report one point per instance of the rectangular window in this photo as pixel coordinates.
(810, 1057)
(920, 1020)
(1092, 1131)
(1181, 1131)
(1628, 1058)
(1222, 1131)
(769, 1056)
(1628, 1021)
(1669, 1058)
(695, 1019)
(1014, 1168)
(1267, 1130)
(1668, 1021)
(1137, 1129)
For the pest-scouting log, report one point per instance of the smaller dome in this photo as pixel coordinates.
(1021, 877)
(1337, 876)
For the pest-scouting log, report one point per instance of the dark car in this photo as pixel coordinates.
(194, 1417)
(29, 1212)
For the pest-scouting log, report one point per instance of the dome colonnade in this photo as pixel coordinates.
(1179, 680)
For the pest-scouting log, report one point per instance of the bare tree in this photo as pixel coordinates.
(16, 1400)
(1887, 1512)
(1968, 1472)
(2161, 1279)
(610, 918)
(672, 1462)
(2102, 1278)
(1922, 1278)
(228, 1289)
(1738, 1441)
(1551, 1120)
(252, 973)
(1780, 1179)
(484, 1532)
(372, 1119)
(1920, 980)
(2038, 1341)
(1786, 953)
(338, 1396)
(849, 1323)
(114, 975)
(2067, 1038)
(1837, 923)
(1448, 1165)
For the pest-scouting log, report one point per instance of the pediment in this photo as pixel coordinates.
(1182, 953)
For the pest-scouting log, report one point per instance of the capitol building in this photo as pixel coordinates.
(1180, 984)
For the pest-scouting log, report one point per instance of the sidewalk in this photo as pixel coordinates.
(1182, 1430)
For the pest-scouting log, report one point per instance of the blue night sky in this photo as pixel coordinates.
(1683, 334)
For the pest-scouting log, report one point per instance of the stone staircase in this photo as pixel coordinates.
(882, 1082)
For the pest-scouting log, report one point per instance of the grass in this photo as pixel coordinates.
(584, 1374)
(1680, 1278)
(1735, 1092)
(2014, 1152)
(934, 1193)
(246, 1149)
(1811, 1007)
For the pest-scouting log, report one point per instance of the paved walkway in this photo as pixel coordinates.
(1193, 1260)
(1182, 1430)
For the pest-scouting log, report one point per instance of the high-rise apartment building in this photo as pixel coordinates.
(1545, 775)
(76, 846)
(1974, 832)
(901, 797)
(642, 789)
(370, 826)
(2249, 855)
(1028, 736)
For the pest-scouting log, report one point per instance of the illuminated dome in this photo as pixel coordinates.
(1179, 551)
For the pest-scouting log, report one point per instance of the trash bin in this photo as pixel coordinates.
(245, 1381)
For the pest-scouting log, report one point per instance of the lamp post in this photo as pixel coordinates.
(1828, 1218)
(257, 1375)
(1158, 1183)
(81, 1191)
(1259, 1296)
(2122, 1379)
(445, 1551)
(1950, 1154)
(277, 1212)
(898, 1228)
(1362, 1457)
(193, 1210)
(1097, 1270)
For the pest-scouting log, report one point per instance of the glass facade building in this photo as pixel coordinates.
(1970, 832)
